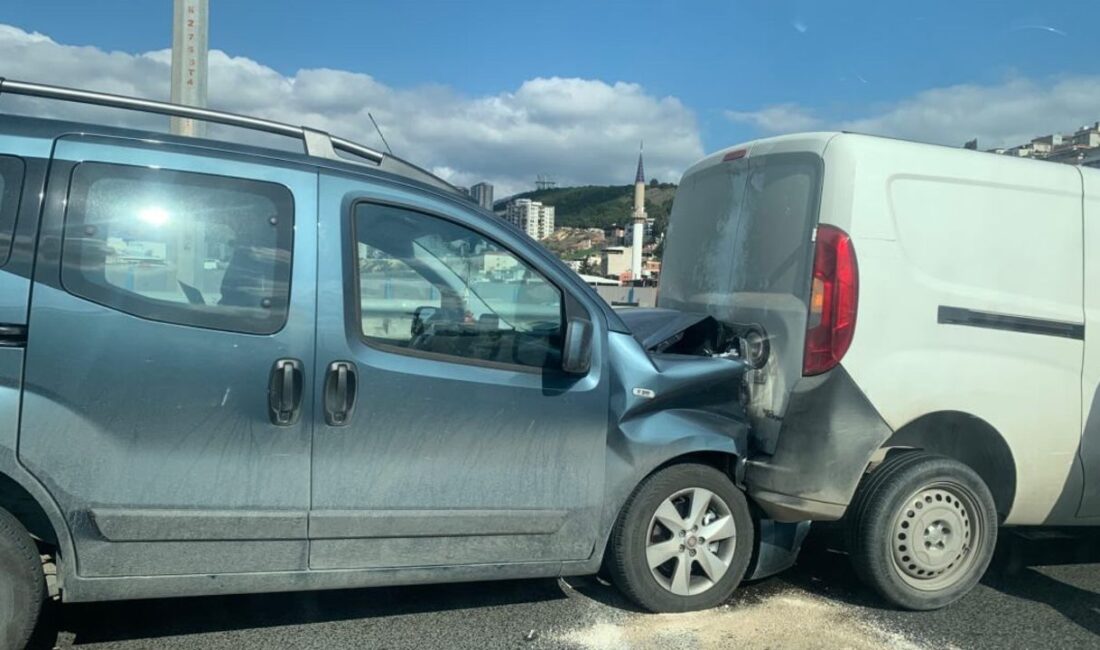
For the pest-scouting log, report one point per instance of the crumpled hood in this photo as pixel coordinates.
(691, 362)
(652, 326)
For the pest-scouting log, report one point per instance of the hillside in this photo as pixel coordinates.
(575, 243)
(594, 206)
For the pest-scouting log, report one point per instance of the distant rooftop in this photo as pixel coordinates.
(1082, 147)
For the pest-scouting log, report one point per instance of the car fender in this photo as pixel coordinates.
(643, 443)
(12, 470)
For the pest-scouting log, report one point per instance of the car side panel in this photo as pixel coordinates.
(444, 461)
(15, 287)
(124, 419)
(640, 440)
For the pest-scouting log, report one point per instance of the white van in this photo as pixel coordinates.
(919, 315)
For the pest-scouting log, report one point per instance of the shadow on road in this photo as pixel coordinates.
(151, 619)
(823, 568)
(1011, 572)
(1079, 606)
(602, 591)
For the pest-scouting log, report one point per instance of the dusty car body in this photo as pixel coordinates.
(232, 369)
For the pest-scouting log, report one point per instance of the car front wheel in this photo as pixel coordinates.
(683, 540)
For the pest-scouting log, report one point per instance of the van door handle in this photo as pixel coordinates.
(341, 385)
(284, 392)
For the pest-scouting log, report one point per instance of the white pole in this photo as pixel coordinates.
(637, 237)
(190, 32)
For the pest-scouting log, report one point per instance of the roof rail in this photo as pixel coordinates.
(317, 143)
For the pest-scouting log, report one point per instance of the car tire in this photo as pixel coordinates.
(921, 530)
(697, 574)
(22, 583)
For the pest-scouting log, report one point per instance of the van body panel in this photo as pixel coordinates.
(830, 431)
(1090, 374)
(794, 143)
(949, 228)
(970, 300)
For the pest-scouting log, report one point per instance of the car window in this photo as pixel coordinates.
(11, 183)
(429, 285)
(181, 247)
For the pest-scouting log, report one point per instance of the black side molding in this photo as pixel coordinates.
(1023, 324)
(12, 336)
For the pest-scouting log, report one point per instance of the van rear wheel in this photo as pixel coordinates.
(22, 584)
(683, 540)
(921, 530)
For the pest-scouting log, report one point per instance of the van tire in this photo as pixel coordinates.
(22, 583)
(912, 500)
(634, 534)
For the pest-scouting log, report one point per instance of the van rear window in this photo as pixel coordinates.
(742, 227)
(11, 185)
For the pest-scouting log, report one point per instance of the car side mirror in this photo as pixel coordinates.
(576, 357)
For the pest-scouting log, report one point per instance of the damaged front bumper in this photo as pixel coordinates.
(671, 338)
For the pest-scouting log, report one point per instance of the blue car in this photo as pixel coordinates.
(226, 368)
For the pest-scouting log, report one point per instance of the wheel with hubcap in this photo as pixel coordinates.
(921, 530)
(683, 540)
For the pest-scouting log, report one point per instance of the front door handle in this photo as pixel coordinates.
(284, 392)
(341, 386)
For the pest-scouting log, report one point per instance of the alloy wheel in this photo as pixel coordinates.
(691, 541)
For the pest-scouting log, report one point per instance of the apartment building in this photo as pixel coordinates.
(534, 218)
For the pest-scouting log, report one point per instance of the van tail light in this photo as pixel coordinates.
(834, 295)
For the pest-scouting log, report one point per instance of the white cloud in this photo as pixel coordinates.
(1003, 114)
(1008, 113)
(577, 131)
(780, 118)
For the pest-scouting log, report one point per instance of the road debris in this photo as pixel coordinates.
(792, 619)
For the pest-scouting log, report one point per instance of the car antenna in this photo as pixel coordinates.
(380, 133)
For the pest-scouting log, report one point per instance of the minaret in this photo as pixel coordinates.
(638, 237)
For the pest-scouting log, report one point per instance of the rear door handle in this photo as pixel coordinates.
(341, 386)
(13, 336)
(284, 392)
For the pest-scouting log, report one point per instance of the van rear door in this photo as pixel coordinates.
(740, 246)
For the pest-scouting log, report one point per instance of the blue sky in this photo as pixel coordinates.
(739, 68)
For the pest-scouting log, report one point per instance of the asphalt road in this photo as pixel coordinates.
(1041, 592)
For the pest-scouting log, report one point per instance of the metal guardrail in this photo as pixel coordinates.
(317, 143)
